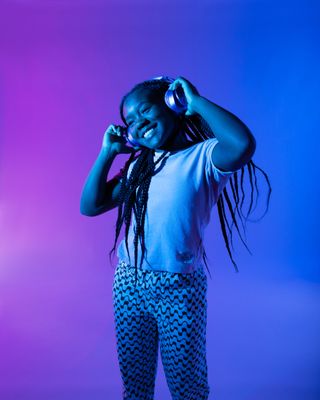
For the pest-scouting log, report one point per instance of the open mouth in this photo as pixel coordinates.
(148, 133)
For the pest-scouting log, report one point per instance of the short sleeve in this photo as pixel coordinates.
(212, 170)
(216, 176)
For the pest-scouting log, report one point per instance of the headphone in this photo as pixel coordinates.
(174, 99)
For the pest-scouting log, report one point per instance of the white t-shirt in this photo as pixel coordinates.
(181, 196)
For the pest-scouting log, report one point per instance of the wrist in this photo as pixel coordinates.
(108, 152)
(196, 104)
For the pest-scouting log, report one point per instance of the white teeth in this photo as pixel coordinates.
(148, 133)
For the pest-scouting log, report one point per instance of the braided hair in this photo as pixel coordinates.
(134, 189)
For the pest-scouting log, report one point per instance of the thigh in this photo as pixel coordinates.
(182, 334)
(137, 337)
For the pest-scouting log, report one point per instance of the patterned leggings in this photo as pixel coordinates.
(166, 308)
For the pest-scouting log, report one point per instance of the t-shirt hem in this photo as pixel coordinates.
(182, 270)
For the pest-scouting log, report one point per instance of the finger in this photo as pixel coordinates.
(121, 129)
(118, 131)
(180, 80)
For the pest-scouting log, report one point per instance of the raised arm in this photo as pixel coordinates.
(99, 195)
(236, 143)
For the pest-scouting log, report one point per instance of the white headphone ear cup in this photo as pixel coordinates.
(175, 99)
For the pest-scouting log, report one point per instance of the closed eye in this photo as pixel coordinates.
(142, 111)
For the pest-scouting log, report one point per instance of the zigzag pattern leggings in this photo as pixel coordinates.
(164, 308)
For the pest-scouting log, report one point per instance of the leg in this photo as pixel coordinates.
(137, 337)
(182, 335)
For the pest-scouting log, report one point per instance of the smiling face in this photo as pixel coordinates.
(150, 121)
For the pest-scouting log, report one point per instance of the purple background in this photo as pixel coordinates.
(64, 67)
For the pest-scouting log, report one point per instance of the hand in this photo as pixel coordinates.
(114, 139)
(191, 93)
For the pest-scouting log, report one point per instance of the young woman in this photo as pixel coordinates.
(177, 171)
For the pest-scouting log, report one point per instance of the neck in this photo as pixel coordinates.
(175, 143)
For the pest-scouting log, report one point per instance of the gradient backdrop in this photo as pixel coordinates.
(64, 68)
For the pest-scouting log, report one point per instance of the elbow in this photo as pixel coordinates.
(249, 147)
(252, 144)
(247, 151)
(86, 211)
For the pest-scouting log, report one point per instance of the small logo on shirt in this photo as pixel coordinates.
(186, 257)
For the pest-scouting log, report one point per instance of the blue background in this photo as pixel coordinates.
(64, 67)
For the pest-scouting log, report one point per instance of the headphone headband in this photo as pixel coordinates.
(163, 78)
(175, 99)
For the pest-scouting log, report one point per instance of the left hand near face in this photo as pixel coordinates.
(190, 92)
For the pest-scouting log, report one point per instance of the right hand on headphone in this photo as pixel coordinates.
(114, 139)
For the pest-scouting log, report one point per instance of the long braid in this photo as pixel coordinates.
(134, 190)
(140, 209)
(133, 196)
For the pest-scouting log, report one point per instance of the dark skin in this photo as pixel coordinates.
(143, 110)
(236, 143)
(235, 147)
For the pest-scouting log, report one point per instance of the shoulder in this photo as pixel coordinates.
(211, 145)
(205, 150)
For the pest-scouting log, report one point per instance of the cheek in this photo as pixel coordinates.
(164, 118)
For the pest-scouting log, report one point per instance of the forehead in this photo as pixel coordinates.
(138, 97)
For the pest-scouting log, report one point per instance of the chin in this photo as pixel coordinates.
(156, 142)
